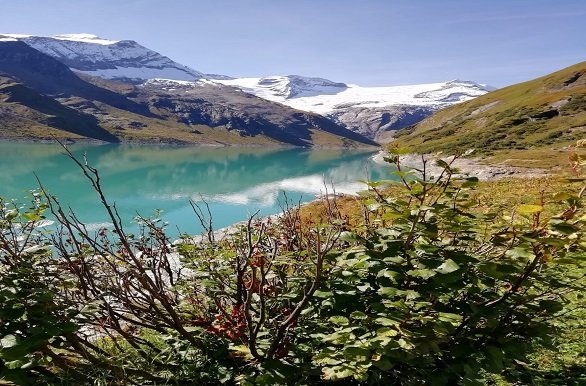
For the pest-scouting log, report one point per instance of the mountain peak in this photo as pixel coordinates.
(470, 83)
(279, 88)
(110, 59)
(81, 38)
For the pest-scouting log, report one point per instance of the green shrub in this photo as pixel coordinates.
(32, 316)
(437, 292)
(432, 287)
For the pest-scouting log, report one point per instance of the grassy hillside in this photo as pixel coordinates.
(543, 115)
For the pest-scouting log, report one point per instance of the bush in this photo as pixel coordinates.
(437, 291)
(430, 288)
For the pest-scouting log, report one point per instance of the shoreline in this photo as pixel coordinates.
(467, 167)
(97, 142)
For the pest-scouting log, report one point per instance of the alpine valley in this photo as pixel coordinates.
(80, 87)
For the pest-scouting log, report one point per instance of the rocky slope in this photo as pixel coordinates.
(212, 104)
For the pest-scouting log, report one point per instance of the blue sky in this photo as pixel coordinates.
(368, 42)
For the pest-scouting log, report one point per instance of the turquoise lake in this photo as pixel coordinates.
(235, 182)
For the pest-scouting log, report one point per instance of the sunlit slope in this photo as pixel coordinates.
(544, 113)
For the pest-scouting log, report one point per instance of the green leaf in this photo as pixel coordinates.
(450, 318)
(520, 253)
(422, 273)
(555, 242)
(387, 332)
(357, 354)
(337, 372)
(402, 173)
(9, 341)
(448, 266)
(339, 320)
(375, 184)
(562, 196)
(31, 216)
(15, 364)
(496, 356)
(384, 364)
(387, 291)
(411, 295)
(470, 181)
(387, 322)
(529, 209)
(363, 288)
(399, 151)
(405, 344)
(323, 294)
(358, 315)
(442, 164)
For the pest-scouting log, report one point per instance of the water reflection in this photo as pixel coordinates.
(235, 181)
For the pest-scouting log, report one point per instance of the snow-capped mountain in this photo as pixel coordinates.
(281, 88)
(375, 112)
(110, 59)
(41, 98)
(325, 97)
(372, 111)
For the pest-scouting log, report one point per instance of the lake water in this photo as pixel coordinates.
(235, 182)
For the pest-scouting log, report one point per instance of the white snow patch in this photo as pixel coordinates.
(85, 38)
(16, 36)
(326, 99)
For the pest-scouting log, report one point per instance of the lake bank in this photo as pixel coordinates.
(467, 167)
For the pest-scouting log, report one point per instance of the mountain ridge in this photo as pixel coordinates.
(110, 59)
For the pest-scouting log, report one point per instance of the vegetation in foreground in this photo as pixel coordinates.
(438, 282)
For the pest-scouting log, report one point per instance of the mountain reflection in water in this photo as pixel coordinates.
(235, 182)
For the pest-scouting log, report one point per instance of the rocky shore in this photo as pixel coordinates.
(467, 167)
